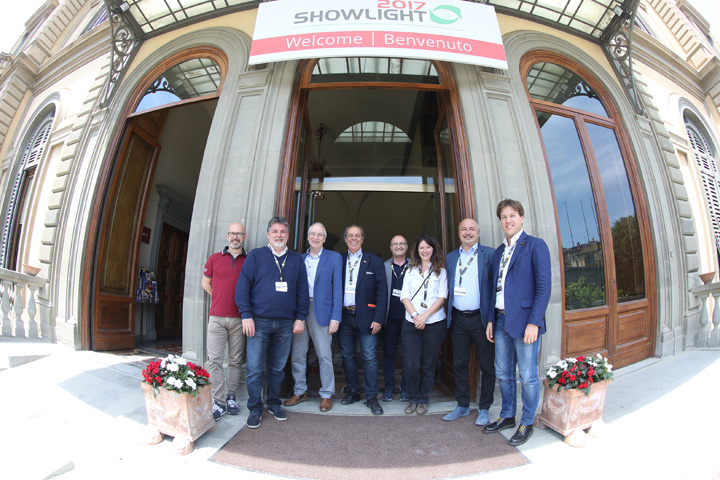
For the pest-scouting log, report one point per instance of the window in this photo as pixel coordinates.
(197, 77)
(96, 20)
(16, 213)
(709, 174)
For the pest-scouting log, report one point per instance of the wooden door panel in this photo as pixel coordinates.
(171, 282)
(123, 216)
(587, 335)
(116, 262)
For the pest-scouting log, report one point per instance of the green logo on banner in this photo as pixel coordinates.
(445, 14)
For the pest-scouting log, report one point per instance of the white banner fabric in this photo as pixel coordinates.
(449, 30)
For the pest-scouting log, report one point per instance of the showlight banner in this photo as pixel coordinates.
(450, 30)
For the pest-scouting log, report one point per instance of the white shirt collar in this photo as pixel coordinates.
(278, 254)
(318, 255)
(514, 239)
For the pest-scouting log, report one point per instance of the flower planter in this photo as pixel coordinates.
(179, 415)
(570, 412)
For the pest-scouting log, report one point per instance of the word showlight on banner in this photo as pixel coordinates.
(449, 30)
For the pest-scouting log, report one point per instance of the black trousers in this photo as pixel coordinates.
(466, 331)
(391, 336)
(420, 354)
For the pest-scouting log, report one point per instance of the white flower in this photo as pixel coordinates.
(190, 373)
(190, 383)
(180, 360)
(609, 367)
(551, 373)
(563, 364)
(174, 382)
(173, 367)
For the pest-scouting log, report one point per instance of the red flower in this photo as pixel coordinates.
(580, 358)
(572, 378)
(159, 380)
(583, 385)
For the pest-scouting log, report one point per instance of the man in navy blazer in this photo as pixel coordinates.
(324, 275)
(470, 307)
(364, 308)
(522, 280)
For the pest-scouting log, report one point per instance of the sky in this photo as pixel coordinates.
(16, 12)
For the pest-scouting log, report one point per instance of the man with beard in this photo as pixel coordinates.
(224, 326)
(272, 297)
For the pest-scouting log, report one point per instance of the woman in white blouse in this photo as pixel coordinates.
(424, 292)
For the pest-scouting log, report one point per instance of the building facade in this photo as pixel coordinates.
(132, 134)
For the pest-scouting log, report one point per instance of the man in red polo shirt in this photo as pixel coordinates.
(225, 326)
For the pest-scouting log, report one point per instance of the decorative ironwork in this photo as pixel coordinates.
(125, 44)
(617, 44)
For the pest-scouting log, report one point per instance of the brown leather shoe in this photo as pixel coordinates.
(421, 409)
(294, 400)
(325, 404)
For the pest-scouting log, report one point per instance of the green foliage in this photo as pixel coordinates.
(583, 295)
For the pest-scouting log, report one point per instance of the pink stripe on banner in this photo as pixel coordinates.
(362, 39)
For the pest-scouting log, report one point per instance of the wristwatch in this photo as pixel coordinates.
(414, 314)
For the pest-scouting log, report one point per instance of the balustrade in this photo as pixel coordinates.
(709, 335)
(18, 304)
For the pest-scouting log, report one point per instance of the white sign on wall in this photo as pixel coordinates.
(450, 30)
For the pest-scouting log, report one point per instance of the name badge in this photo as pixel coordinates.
(459, 292)
(423, 305)
(350, 289)
(281, 286)
(396, 292)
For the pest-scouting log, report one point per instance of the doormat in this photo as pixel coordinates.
(330, 447)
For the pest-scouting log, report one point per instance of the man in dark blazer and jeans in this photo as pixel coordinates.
(363, 315)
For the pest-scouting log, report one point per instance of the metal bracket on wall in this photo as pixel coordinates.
(617, 44)
(126, 41)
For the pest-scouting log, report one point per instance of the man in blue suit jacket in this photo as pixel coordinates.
(364, 308)
(324, 275)
(521, 267)
(470, 307)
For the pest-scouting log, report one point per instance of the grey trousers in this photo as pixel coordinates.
(322, 342)
(221, 332)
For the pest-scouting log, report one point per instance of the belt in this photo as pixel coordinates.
(311, 299)
(349, 309)
(500, 311)
(467, 313)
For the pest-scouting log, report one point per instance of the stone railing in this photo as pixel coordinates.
(18, 304)
(709, 335)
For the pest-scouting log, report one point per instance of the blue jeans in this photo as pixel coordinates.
(348, 334)
(273, 338)
(508, 353)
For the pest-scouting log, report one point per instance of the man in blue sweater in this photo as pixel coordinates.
(273, 301)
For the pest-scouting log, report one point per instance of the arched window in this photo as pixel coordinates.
(373, 132)
(16, 213)
(606, 253)
(197, 77)
(705, 157)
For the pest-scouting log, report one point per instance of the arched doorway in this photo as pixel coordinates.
(143, 219)
(607, 257)
(377, 142)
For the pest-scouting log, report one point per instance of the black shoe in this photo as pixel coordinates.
(499, 424)
(374, 406)
(232, 407)
(350, 398)
(521, 436)
(388, 394)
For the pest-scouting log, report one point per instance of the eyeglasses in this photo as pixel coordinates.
(398, 244)
(236, 234)
(316, 235)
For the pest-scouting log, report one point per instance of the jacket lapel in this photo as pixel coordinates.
(362, 268)
(518, 249)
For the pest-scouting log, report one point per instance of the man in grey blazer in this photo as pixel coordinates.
(395, 269)
(324, 275)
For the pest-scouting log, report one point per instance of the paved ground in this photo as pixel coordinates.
(81, 415)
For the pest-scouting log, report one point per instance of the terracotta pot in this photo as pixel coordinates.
(179, 415)
(570, 412)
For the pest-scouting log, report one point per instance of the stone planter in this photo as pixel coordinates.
(570, 412)
(179, 415)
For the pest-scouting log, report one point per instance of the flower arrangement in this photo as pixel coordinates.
(175, 373)
(579, 373)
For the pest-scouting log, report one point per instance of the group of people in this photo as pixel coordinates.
(267, 304)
